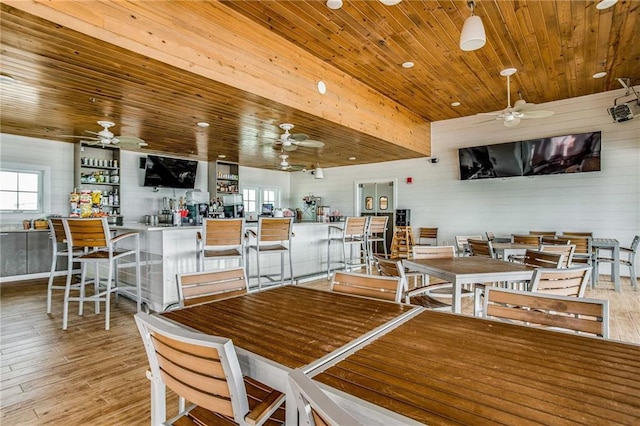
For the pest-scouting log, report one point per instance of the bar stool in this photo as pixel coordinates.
(376, 233)
(221, 239)
(60, 248)
(95, 236)
(273, 236)
(352, 235)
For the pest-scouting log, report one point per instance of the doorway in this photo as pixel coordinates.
(378, 198)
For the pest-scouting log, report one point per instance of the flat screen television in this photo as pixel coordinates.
(562, 154)
(490, 161)
(553, 155)
(170, 172)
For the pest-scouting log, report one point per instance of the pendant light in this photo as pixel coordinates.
(473, 36)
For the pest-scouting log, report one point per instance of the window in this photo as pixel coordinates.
(250, 199)
(269, 196)
(254, 197)
(21, 191)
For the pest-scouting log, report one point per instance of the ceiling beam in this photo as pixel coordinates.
(211, 40)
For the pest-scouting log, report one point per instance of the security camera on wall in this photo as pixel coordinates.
(433, 160)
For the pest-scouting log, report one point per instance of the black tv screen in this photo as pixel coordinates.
(562, 154)
(553, 155)
(490, 161)
(170, 172)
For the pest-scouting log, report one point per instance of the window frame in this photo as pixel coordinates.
(43, 187)
(260, 196)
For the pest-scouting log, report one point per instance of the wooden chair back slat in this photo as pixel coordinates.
(274, 229)
(565, 250)
(543, 233)
(379, 287)
(568, 313)
(57, 230)
(201, 287)
(223, 232)
(434, 252)
(577, 234)
(378, 224)
(540, 259)
(482, 248)
(583, 246)
(563, 282)
(556, 241)
(92, 232)
(355, 225)
(533, 240)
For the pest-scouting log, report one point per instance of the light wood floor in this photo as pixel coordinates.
(87, 375)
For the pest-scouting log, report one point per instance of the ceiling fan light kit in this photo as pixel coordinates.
(473, 36)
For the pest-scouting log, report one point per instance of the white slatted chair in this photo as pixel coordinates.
(205, 371)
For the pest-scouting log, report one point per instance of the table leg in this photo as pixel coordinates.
(457, 297)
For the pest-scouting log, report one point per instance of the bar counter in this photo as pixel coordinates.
(167, 250)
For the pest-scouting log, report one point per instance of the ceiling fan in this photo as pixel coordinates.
(285, 166)
(512, 115)
(106, 137)
(291, 142)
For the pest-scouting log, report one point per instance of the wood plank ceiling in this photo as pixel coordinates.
(67, 79)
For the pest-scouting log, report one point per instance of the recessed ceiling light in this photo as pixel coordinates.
(202, 124)
(605, 4)
(222, 156)
(334, 4)
(508, 71)
(322, 87)
(352, 158)
(599, 74)
(408, 64)
(390, 2)
(455, 104)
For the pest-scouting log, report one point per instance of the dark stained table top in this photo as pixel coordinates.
(440, 368)
(293, 326)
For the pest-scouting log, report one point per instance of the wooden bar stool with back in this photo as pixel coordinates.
(95, 236)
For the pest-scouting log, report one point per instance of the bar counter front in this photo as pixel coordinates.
(166, 251)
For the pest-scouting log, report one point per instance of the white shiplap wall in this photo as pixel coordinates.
(606, 202)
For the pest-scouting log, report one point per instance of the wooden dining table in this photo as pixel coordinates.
(469, 270)
(443, 369)
(283, 328)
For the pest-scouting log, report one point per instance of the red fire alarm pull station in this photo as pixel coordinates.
(409, 180)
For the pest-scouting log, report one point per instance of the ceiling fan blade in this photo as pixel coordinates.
(132, 140)
(488, 121)
(537, 114)
(309, 143)
(496, 113)
(299, 137)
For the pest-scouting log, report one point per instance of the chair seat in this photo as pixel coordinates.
(273, 248)
(257, 393)
(103, 254)
(223, 253)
